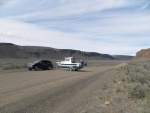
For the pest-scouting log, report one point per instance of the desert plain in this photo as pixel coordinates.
(100, 87)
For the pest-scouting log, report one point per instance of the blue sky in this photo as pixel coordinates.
(116, 27)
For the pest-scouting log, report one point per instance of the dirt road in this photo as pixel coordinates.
(53, 91)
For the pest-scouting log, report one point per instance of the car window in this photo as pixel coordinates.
(41, 62)
(44, 62)
(37, 61)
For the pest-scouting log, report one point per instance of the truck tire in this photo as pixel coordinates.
(70, 69)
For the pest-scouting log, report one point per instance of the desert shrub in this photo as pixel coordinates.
(137, 90)
(146, 108)
(148, 101)
(11, 66)
(138, 79)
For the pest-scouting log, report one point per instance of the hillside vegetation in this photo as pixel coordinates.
(134, 84)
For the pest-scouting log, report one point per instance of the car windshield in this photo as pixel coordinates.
(37, 61)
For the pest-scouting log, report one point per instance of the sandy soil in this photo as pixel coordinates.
(54, 91)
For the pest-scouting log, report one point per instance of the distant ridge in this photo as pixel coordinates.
(122, 57)
(9, 50)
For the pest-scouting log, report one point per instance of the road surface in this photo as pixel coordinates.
(52, 91)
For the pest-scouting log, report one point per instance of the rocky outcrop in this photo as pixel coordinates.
(142, 55)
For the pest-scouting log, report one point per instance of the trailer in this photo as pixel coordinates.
(70, 64)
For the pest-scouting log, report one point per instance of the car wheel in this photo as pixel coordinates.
(76, 69)
(36, 68)
(49, 67)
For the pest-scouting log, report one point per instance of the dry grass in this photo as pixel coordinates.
(134, 85)
(99, 63)
(10, 64)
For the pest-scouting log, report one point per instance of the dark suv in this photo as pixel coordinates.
(40, 64)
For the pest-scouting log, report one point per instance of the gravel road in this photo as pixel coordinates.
(53, 91)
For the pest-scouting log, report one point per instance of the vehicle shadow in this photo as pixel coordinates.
(83, 71)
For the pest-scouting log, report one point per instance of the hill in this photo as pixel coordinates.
(13, 51)
(9, 50)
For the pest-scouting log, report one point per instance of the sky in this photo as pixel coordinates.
(115, 27)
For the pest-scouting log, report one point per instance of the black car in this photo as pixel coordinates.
(40, 64)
